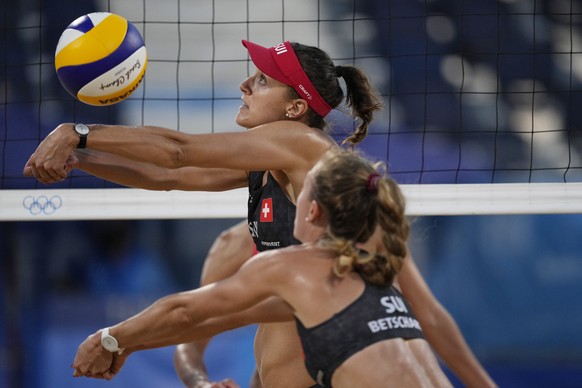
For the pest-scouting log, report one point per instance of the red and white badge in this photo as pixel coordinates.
(266, 210)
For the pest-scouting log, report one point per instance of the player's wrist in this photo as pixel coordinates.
(66, 134)
(109, 342)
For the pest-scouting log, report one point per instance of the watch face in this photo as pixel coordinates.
(82, 129)
(109, 343)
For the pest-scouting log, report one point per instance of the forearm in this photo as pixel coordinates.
(123, 171)
(91, 357)
(440, 328)
(148, 176)
(164, 323)
(189, 364)
(188, 316)
(159, 146)
(199, 332)
(447, 340)
(268, 311)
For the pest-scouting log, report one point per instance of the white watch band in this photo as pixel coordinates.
(109, 342)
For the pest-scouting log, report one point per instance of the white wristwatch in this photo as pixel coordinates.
(109, 342)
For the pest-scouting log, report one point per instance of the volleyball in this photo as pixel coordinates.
(101, 58)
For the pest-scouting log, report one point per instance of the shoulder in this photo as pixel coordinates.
(295, 130)
(301, 145)
(284, 263)
(276, 257)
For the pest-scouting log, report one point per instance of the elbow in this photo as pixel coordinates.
(180, 324)
(429, 324)
(430, 319)
(182, 318)
(169, 154)
(179, 315)
(435, 322)
(178, 157)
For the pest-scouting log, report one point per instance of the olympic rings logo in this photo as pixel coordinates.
(42, 204)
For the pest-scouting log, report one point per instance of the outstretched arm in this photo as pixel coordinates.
(170, 320)
(440, 328)
(94, 361)
(288, 146)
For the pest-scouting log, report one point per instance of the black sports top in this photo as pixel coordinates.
(376, 315)
(270, 213)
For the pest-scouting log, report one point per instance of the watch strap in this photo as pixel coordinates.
(82, 135)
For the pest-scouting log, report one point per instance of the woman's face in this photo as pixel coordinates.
(264, 100)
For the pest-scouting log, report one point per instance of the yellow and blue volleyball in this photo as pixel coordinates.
(101, 58)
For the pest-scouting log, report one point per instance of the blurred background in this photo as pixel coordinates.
(477, 91)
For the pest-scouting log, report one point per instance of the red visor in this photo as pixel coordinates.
(281, 63)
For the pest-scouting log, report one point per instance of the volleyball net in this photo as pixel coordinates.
(482, 99)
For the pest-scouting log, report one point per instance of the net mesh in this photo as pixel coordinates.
(478, 95)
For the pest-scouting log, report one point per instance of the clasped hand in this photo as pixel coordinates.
(92, 360)
(53, 159)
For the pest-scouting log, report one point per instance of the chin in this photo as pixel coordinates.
(241, 122)
(297, 234)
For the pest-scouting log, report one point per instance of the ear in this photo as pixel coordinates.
(297, 108)
(315, 214)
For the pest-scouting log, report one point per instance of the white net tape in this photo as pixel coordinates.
(422, 200)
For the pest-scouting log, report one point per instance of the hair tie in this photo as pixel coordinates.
(345, 260)
(372, 182)
(339, 71)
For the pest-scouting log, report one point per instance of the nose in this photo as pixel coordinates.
(245, 86)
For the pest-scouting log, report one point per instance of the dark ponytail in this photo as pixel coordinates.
(361, 98)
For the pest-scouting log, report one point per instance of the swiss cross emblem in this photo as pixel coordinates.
(266, 210)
